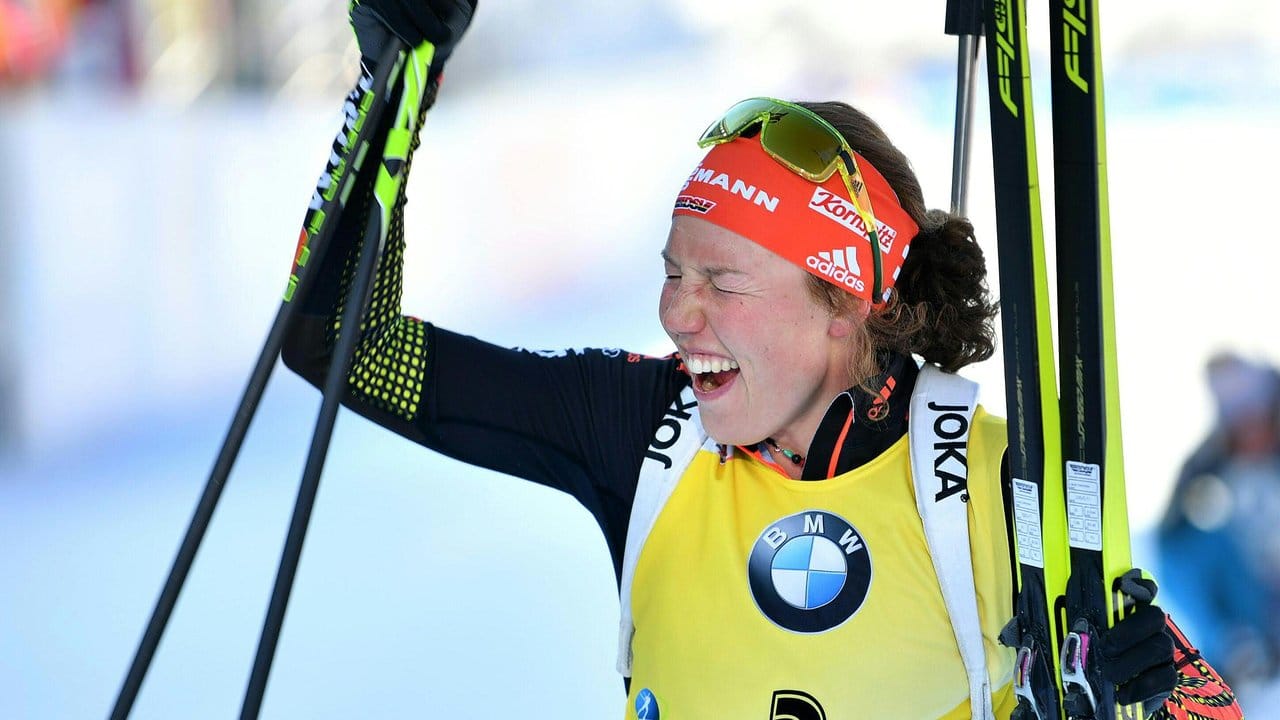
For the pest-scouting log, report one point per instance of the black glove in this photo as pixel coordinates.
(440, 22)
(1136, 654)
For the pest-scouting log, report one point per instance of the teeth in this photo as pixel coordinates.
(698, 365)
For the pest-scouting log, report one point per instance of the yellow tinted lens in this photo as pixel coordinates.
(801, 142)
(791, 134)
(736, 119)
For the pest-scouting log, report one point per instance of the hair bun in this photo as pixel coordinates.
(943, 285)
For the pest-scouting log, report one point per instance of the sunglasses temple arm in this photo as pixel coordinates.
(868, 221)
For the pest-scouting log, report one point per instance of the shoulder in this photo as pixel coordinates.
(985, 422)
(988, 437)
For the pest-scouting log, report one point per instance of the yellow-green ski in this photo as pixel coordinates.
(1036, 489)
(1090, 408)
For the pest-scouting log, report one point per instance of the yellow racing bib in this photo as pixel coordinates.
(758, 596)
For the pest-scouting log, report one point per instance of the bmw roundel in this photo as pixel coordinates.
(809, 572)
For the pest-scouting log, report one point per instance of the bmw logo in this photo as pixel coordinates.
(646, 705)
(809, 572)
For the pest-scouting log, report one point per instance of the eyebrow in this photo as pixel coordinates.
(712, 271)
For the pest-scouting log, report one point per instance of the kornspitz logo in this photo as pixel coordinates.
(646, 705)
(825, 202)
(809, 572)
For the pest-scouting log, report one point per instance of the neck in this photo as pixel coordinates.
(795, 440)
(788, 458)
(855, 428)
(795, 472)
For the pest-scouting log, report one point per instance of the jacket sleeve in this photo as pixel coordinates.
(388, 370)
(1201, 693)
(576, 420)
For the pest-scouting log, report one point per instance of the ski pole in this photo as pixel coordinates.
(374, 86)
(334, 386)
(964, 19)
(387, 188)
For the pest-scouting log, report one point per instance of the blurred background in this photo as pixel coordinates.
(158, 156)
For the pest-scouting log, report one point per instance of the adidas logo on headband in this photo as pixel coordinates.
(840, 265)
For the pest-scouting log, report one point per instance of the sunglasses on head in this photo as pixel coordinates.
(805, 144)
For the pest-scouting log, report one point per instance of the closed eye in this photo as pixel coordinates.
(733, 283)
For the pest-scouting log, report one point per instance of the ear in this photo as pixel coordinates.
(843, 324)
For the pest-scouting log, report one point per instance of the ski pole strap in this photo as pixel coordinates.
(678, 438)
(942, 409)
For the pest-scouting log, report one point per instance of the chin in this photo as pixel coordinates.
(727, 432)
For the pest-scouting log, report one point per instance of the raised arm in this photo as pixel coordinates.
(575, 420)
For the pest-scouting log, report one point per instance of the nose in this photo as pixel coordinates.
(681, 309)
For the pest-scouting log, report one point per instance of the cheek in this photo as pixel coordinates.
(664, 302)
(797, 340)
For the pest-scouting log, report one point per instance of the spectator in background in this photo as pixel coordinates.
(1219, 542)
(44, 39)
(32, 35)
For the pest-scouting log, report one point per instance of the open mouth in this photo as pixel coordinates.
(711, 373)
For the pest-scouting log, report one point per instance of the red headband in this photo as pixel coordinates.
(739, 187)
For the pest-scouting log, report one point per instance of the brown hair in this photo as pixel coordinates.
(940, 307)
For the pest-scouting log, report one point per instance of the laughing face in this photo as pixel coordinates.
(765, 356)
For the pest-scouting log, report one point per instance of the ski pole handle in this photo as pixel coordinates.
(964, 17)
